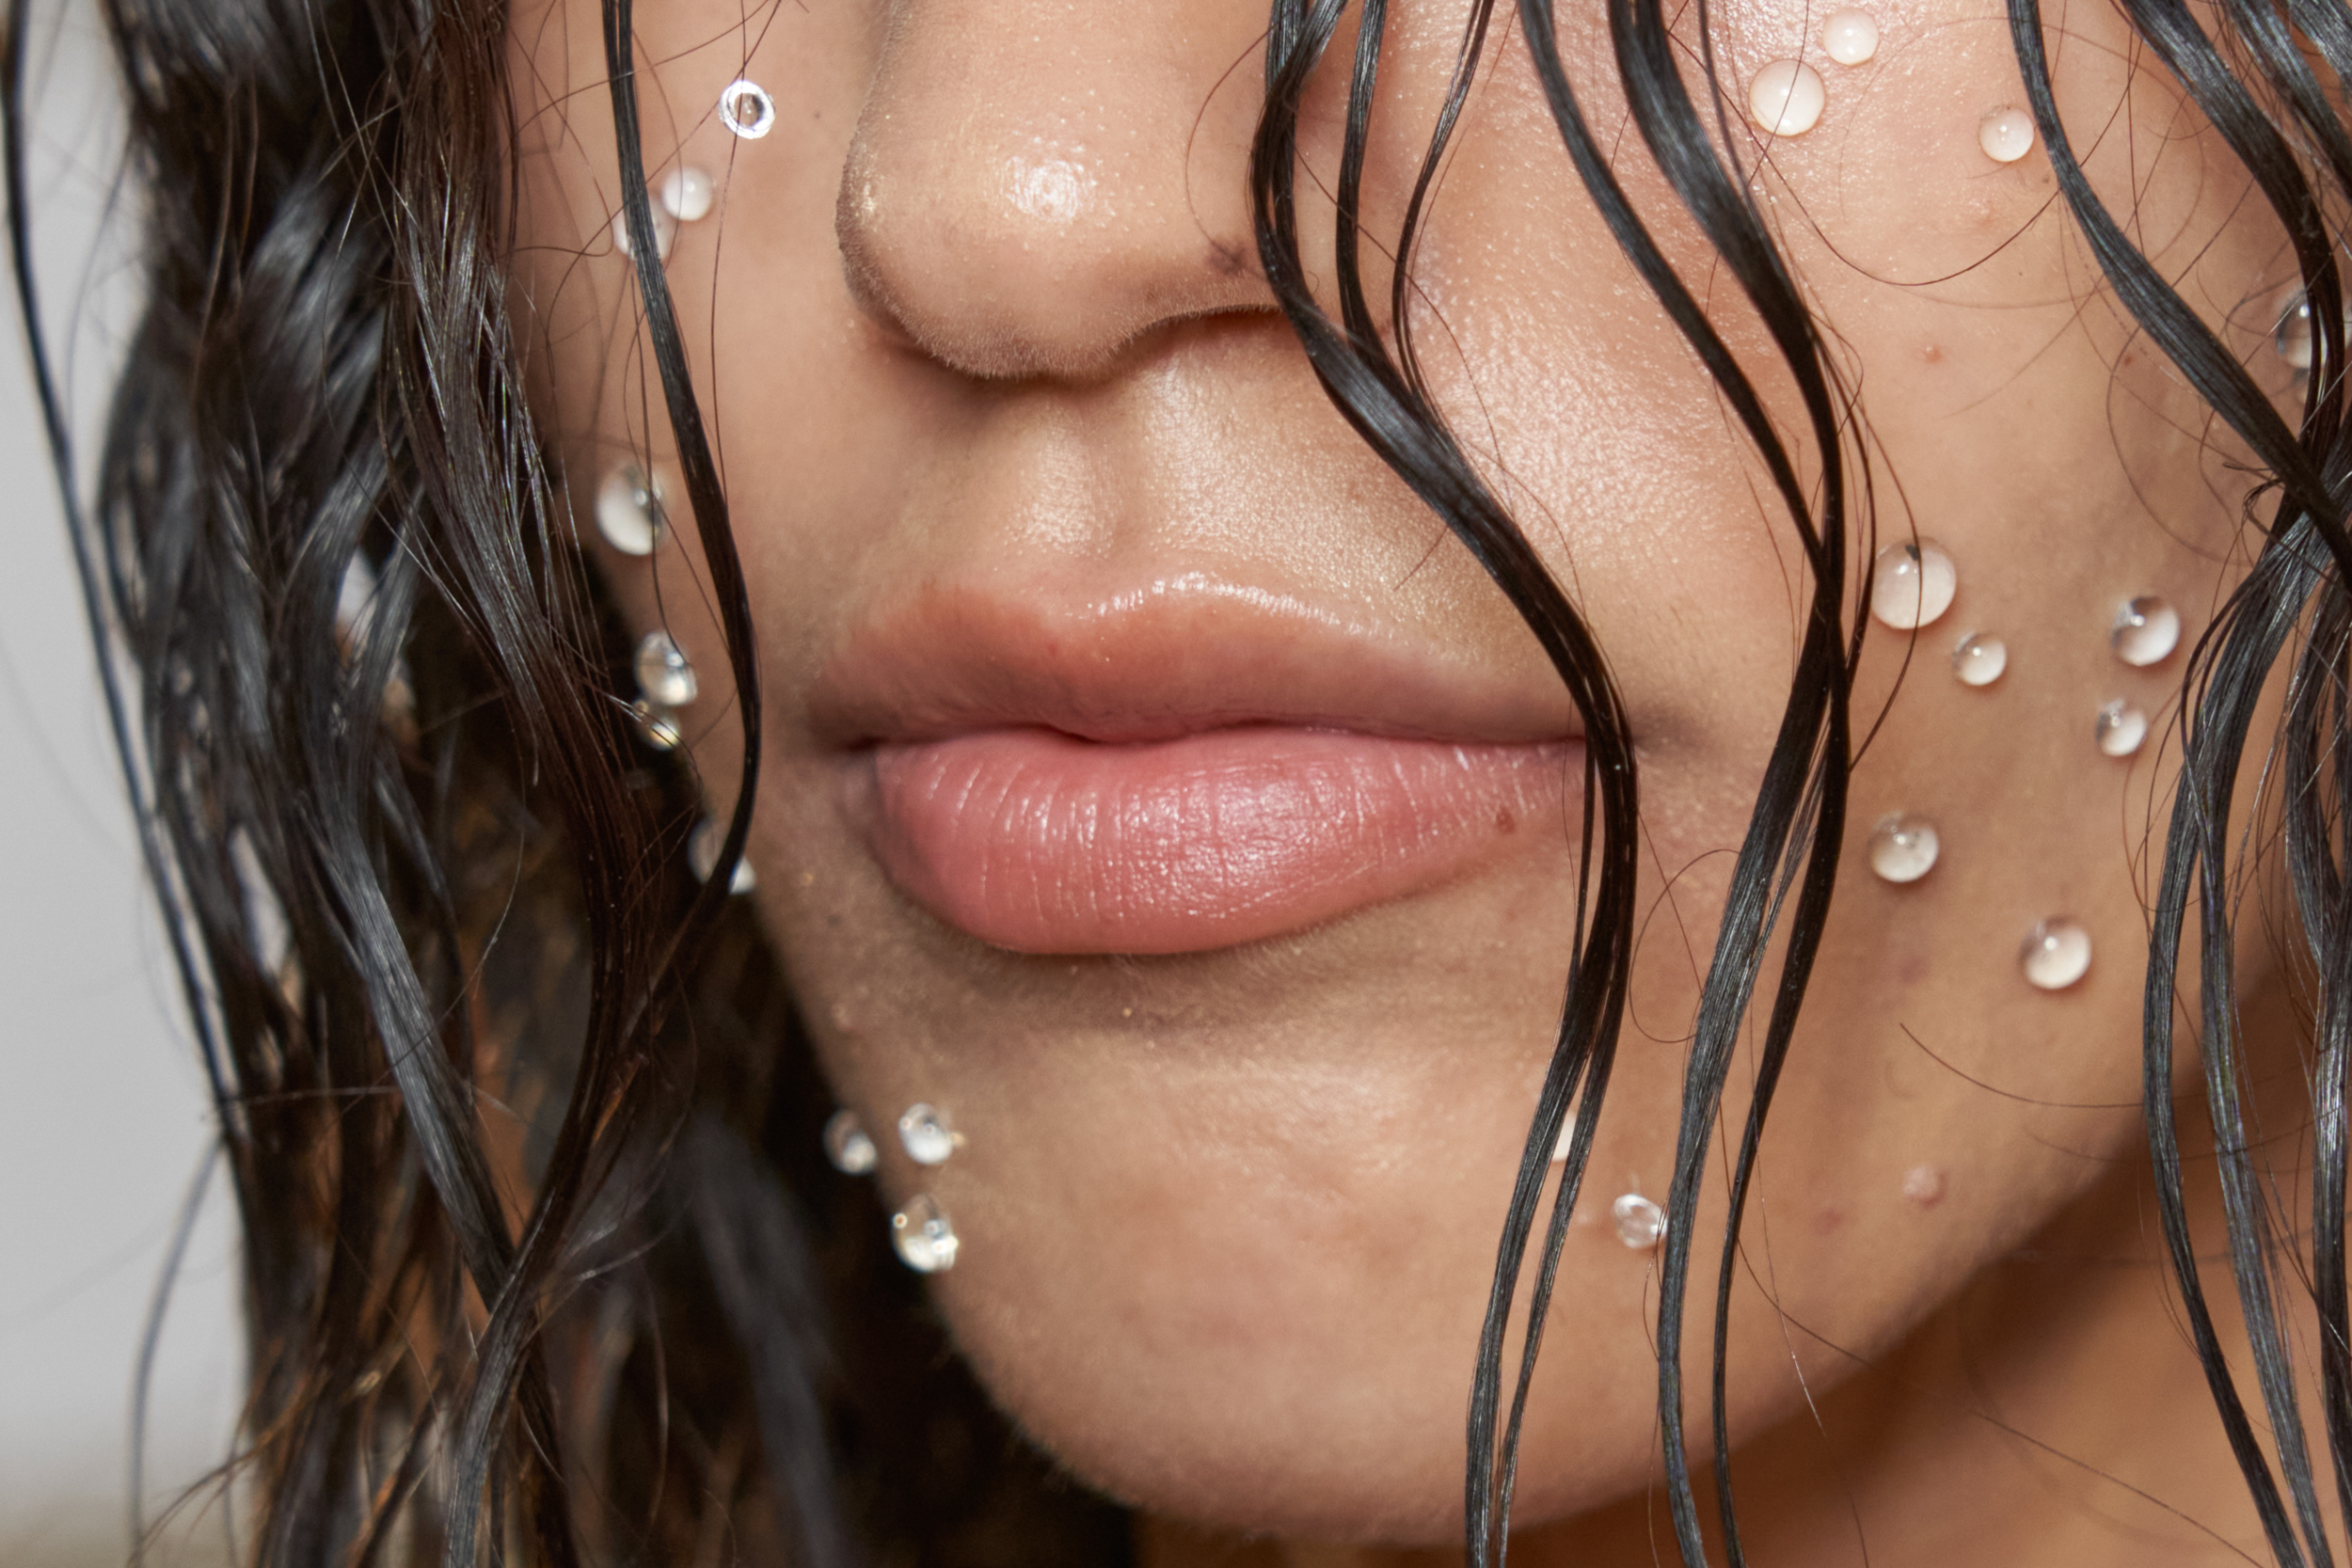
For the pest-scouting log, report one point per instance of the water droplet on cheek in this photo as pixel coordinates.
(1979, 660)
(2146, 631)
(2056, 955)
(1902, 848)
(1850, 38)
(1912, 584)
(1641, 1224)
(2006, 134)
(1787, 97)
(924, 1236)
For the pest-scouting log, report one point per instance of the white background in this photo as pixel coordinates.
(104, 1122)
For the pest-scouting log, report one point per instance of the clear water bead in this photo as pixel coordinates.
(662, 673)
(1787, 97)
(1641, 1224)
(926, 1135)
(2292, 338)
(2120, 729)
(1850, 38)
(655, 726)
(847, 1147)
(746, 108)
(1902, 848)
(925, 1237)
(2146, 631)
(2006, 134)
(2056, 954)
(687, 195)
(702, 855)
(1910, 584)
(664, 233)
(1978, 658)
(629, 510)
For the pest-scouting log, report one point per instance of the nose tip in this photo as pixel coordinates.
(1019, 210)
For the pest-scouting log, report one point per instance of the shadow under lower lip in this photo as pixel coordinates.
(1032, 841)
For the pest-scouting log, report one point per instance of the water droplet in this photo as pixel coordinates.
(1910, 584)
(746, 108)
(1924, 1186)
(847, 1147)
(1787, 97)
(1902, 848)
(629, 510)
(1641, 1224)
(2006, 134)
(687, 195)
(2120, 729)
(1978, 658)
(664, 233)
(925, 1237)
(926, 1135)
(2146, 631)
(702, 854)
(2292, 337)
(655, 726)
(2056, 954)
(1850, 38)
(662, 673)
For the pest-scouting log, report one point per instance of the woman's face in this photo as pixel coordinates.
(1151, 782)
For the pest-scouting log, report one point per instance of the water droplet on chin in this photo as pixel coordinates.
(925, 1237)
(662, 673)
(2146, 631)
(1980, 658)
(2120, 728)
(846, 1145)
(2056, 954)
(1641, 1224)
(1902, 848)
(926, 1135)
(1910, 584)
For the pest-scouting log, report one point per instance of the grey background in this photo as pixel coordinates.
(104, 1123)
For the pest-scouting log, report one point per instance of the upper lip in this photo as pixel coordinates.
(1177, 656)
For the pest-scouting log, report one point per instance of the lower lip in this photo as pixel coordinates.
(1034, 841)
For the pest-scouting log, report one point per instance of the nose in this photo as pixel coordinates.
(1035, 186)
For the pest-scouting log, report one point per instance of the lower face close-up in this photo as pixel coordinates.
(1321, 626)
(1152, 788)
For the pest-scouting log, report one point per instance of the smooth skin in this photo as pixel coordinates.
(980, 324)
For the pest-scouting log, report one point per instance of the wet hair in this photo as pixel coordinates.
(430, 910)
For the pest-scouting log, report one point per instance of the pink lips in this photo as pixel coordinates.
(1128, 780)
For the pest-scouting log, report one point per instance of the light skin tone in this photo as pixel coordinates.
(992, 373)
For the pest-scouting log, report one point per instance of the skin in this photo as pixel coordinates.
(1227, 1217)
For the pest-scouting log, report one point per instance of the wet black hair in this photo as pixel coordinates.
(687, 1330)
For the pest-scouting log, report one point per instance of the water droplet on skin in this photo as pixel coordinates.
(629, 510)
(1641, 1224)
(1902, 848)
(1912, 584)
(847, 1147)
(2292, 338)
(746, 108)
(702, 855)
(655, 727)
(2056, 955)
(2146, 631)
(687, 195)
(662, 673)
(664, 233)
(1850, 38)
(924, 1130)
(1923, 1185)
(2006, 134)
(1980, 658)
(1787, 97)
(925, 1237)
(2120, 729)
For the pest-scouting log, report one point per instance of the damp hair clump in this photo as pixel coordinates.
(428, 900)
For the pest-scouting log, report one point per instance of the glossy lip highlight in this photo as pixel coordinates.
(1174, 772)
